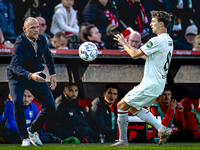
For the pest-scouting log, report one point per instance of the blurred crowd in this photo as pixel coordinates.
(68, 23)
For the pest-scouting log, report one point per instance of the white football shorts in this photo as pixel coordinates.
(137, 99)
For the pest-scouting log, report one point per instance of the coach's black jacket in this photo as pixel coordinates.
(69, 117)
(25, 60)
(100, 118)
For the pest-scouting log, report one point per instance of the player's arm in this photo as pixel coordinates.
(133, 52)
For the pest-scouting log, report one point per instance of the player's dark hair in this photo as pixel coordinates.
(87, 31)
(111, 85)
(162, 16)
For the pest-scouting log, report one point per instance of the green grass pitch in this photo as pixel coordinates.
(106, 146)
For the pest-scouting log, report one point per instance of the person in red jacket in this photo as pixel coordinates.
(193, 122)
(172, 115)
(170, 111)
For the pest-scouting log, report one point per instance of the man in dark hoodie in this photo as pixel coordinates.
(103, 113)
(70, 119)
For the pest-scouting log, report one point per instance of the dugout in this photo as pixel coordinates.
(113, 66)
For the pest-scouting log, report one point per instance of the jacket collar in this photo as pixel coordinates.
(26, 40)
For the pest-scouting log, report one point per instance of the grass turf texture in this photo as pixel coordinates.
(106, 146)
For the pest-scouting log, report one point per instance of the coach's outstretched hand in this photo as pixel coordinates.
(36, 77)
(53, 82)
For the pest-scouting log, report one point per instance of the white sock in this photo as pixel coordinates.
(149, 118)
(122, 121)
(161, 128)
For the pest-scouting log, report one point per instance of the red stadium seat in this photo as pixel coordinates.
(37, 104)
(85, 103)
(189, 104)
(115, 103)
(2, 100)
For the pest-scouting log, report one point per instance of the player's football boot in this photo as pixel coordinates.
(164, 135)
(34, 138)
(120, 143)
(26, 142)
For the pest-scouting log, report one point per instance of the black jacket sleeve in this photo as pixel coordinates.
(101, 119)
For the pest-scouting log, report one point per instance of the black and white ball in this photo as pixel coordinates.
(88, 51)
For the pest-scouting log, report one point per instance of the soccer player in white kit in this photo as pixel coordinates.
(157, 52)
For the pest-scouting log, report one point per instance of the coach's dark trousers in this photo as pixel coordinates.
(42, 92)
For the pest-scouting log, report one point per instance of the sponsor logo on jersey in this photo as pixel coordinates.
(149, 44)
(170, 43)
(30, 114)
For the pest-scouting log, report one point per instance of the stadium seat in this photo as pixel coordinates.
(85, 103)
(2, 100)
(115, 103)
(189, 104)
(37, 104)
(39, 109)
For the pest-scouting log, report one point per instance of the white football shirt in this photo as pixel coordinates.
(159, 52)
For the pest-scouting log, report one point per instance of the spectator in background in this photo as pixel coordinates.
(80, 5)
(184, 12)
(91, 34)
(139, 21)
(4, 130)
(196, 44)
(196, 14)
(70, 119)
(22, 10)
(101, 13)
(135, 40)
(65, 18)
(103, 113)
(111, 31)
(47, 11)
(74, 41)
(30, 110)
(81, 29)
(7, 20)
(59, 41)
(186, 41)
(2, 106)
(5, 43)
(43, 27)
(172, 115)
(193, 122)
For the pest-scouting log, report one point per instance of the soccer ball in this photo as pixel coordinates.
(88, 51)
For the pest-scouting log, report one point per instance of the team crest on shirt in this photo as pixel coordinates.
(30, 114)
(149, 44)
